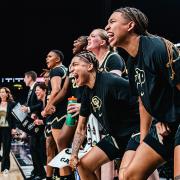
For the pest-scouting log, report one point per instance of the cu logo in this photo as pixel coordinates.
(140, 79)
(96, 103)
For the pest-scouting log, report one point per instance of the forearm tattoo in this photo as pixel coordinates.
(78, 140)
(177, 178)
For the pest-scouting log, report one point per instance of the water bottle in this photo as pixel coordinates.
(71, 121)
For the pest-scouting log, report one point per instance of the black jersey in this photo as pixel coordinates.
(149, 79)
(110, 102)
(60, 71)
(112, 61)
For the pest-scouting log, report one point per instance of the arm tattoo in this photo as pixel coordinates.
(78, 140)
(177, 178)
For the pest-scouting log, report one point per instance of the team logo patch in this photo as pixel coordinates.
(96, 103)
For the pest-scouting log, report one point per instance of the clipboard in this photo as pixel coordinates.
(18, 114)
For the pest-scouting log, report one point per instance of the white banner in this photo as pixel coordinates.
(62, 159)
(93, 137)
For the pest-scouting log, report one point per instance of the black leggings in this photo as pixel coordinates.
(5, 134)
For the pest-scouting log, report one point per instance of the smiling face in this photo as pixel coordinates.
(118, 29)
(3, 94)
(40, 93)
(80, 70)
(52, 60)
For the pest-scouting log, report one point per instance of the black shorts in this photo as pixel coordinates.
(113, 147)
(54, 122)
(164, 147)
(47, 130)
(134, 142)
(58, 122)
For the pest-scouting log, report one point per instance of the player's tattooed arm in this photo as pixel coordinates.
(79, 135)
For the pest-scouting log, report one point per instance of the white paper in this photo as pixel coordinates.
(93, 137)
(62, 159)
(20, 115)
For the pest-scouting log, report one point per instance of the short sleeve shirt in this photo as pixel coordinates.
(113, 61)
(110, 102)
(60, 71)
(149, 79)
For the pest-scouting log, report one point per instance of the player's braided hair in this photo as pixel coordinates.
(135, 15)
(173, 56)
(89, 57)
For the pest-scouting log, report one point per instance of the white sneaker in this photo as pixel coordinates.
(5, 171)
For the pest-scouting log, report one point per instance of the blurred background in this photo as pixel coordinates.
(30, 29)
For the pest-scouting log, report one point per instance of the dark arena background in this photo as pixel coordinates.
(29, 31)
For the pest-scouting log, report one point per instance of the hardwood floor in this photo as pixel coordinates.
(14, 172)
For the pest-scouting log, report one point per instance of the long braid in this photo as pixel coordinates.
(173, 57)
